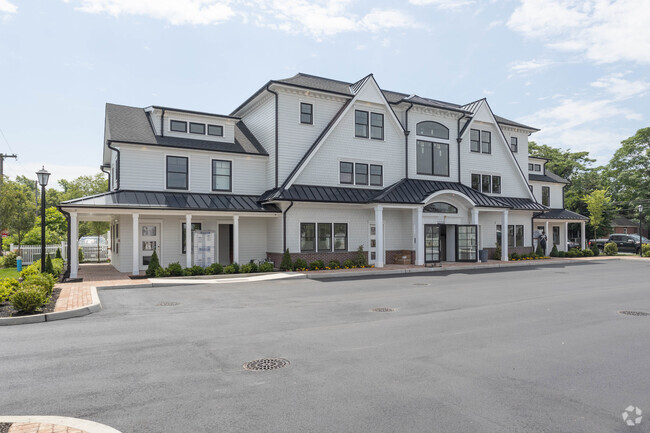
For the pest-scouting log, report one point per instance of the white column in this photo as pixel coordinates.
(379, 231)
(583, 241)
(136, 244)
(478, 233)
(565, 247)
(235, 238)
(188, 241)
(549, 241)
(504, 236)
(74, 247)
(419, 237)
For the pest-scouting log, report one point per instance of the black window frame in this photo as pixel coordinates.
(215, 175)
(475, 145)
(473, 177)
(318, 236)
(373, 126)
(531, 166)
(187, 172)
(183, 239)
(500, 186)
(538, 167)
(489, 177)
(489, 142)
(215, 126)
(195, 124)
(519, 240)
(334, 237)
(314, 238)
(365, 125)
(433, 145)
(546, 195)
(381, 175)
(420, 125)
(177, 122)
(514, 144)
(356, 173)
(351, 172)
(310, 114)
(435, 207)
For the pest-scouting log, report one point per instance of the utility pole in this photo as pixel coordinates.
(3, 156)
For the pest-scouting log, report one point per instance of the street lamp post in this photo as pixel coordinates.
(640, 233)
(43, 177)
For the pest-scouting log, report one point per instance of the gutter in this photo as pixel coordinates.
(69, 252)
(102, 167)
(284, 227)
(276, 132)
(459, 140)
(117, 169)
(406, 138)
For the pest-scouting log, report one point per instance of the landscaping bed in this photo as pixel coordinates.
(6, 310)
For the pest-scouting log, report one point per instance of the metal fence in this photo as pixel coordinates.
(32, 253)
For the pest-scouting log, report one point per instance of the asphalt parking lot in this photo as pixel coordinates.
(519, 350)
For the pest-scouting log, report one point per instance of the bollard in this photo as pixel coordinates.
(19, 264)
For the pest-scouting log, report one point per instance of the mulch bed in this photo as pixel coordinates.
(5, 426)
(6, 310)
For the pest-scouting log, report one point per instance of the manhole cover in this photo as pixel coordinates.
(420, 284)
(266, 364)
(635, 313)
(168, 304)
(382, 310)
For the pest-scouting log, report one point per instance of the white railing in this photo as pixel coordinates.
(31, 253)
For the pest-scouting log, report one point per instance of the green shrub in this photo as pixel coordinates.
(645, 249)
(58, 265)
(572, 253)
(253, 267)
(195, 270)
(360, 260)
(514, 256)
(610, 249)
(246, 268)
(539, 251)
(266, 267)
(595, 250)
(236, 266)
(230, 269)
(587, 253)
(40, 281)
(497, 252)
(58, 255)
(349, 264)
(29, 300)
(175, 269)
(561, 254)
(553, 252)
(316, 265)
(10, 260)
(8, 287)
(214, 269)
(286, 264)
(300, 265)
(162, 273)
(81, 255)
(334, 264)
(154, 265)
(33, 269)
(49, 269)
(646, 254)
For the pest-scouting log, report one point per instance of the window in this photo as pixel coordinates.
(514, 145)
(531, 167)
(496, 184)
(324, 237)
(215, 130)
(361, 174)
(519, 234)
(474, 140)
(546, 196)
(432, 158)
(197, 128)
(221, 175)
(376, 175)
(486, 142)
(556, 235)
(361, 124)
(515, 235)
(306, 113)
(486, 183)
(195, 226)
(476, 182)
(177, 126)
(432, 129)
(625, 230)
(177, 172)
(346, 172)
(340, 237)
(440, 207)
(511, 236)
(538, 167)
(307, 237)
(376, 126)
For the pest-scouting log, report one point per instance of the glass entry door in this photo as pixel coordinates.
(431, 243)
(466, 243)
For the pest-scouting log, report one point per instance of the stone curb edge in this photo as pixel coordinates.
(77, 423)
(57, 315)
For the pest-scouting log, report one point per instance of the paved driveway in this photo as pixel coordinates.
(531, 350)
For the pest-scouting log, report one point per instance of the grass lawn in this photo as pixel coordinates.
(8, 273)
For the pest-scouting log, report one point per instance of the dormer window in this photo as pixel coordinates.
(216, 130)
(306, 113)
(177, 126)
(538, 167)
(197, 128)
(514, 145)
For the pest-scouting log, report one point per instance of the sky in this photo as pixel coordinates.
(577, 70)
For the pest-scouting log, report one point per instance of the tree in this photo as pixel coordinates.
(83, 186)
(17, 210)
(56, 228)
(564, 163)
(597, 205)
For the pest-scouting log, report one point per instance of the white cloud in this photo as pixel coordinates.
(621, 88)
(604, 31)
(495, 23)
(443, 4)
(7, 7)
(526, 66)
(571, 113)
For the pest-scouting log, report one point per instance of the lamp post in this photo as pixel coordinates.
(43, 177)
(640, 233)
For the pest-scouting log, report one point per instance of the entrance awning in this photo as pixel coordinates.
(560, 214)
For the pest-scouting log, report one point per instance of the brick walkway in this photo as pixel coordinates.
(31, 427)
(75, 295)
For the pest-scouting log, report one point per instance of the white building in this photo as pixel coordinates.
(322, 167)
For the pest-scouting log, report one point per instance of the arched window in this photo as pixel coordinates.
(432, 129)
(440, 207)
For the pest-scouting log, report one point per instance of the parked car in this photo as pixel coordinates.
(88, 245)
(571, 244)
(625, 243)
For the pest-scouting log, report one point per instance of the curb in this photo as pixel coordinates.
(76, 423)
(57, 315)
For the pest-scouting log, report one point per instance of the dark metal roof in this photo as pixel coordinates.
(505, 121)
(548, 177)
(133, 125)
(417, 190)
(166, 200)
(559, 214)
(329, 194)
(436, 104)
(517, 203)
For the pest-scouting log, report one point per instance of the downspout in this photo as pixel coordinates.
(117, 169)
(109, 176)
(162, 123)
(458, 140)
(284, 227)
(406, 138)
(276, 133)
(68, 253)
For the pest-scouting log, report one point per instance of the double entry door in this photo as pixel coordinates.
(435, 243)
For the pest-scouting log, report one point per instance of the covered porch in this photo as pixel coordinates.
(555, 224)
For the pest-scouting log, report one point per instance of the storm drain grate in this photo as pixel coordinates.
(635, 313)
(382, 310)
(5, 426)
(168, 304)
(266, 364)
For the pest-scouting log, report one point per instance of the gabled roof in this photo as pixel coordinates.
(133, 125)
(624, 222)
(505, 121)
(559, 214)
(549, 176)
(130, 199)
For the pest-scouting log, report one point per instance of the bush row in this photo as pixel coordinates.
(176, 270)
(646, 250)
(319, 265)
(28, 296)
(515, 257)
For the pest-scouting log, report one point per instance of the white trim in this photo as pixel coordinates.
(448, 191)
(313, 117)
(150, 221)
